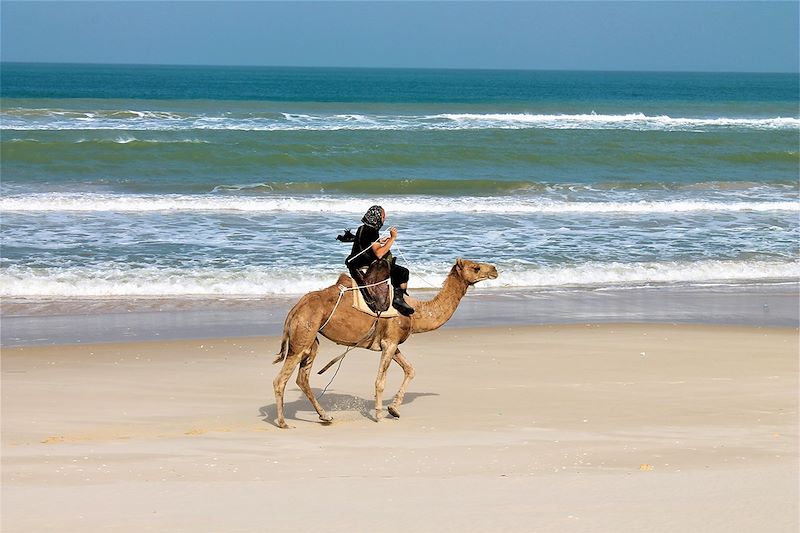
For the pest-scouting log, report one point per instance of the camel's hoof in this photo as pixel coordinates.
(327, 419)
(393, 411)
(282, 424)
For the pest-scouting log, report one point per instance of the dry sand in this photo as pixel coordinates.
(550, 428)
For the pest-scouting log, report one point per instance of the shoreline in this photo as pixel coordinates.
(623, 427)
(80, 321)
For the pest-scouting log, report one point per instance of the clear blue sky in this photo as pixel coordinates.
(687, 36)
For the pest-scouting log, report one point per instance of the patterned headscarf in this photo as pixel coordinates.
(373, 217)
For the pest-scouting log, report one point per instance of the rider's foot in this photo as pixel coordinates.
(400, 304)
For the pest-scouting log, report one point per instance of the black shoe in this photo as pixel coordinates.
(401, 304)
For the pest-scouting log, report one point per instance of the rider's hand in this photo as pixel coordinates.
(393, 232)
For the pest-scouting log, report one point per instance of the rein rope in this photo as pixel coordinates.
(343, 290)
(340, 359)
(405, 260)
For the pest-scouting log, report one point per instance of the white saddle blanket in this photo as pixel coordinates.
(361, 305)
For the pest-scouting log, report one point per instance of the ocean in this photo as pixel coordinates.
(233, 182)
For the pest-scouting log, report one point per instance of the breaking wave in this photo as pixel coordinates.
(88, 202)
(118, 280)
(64, 119)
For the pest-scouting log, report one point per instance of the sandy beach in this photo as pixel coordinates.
(594, 208)
(527, 428)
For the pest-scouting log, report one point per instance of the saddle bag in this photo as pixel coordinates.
(378, 297)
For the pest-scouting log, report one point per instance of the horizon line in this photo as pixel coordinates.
(350, 67)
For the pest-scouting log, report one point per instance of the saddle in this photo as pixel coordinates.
(377, 296)
(360, 304)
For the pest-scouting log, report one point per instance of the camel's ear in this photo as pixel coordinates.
(460, 264)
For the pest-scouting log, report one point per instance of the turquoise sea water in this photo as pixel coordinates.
(180, 181)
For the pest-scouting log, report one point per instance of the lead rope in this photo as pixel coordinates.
(341, 357)
(342, 290)
(416, 270)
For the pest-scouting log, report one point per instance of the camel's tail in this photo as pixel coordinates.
(281, 355)
(284, 350)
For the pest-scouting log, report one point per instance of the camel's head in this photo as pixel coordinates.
(473, 272)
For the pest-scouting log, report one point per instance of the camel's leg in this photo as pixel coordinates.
(302, 381)
(279, 383)
(409, 375)
(389, 350)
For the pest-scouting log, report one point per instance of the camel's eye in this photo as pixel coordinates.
(476, 268)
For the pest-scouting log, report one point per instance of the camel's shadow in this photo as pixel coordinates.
(332, 403)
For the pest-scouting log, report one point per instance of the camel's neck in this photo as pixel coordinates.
(433, 314)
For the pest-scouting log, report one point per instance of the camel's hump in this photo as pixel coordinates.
(344, 280)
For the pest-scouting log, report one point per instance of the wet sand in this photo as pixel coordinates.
(76, 320)
(613, 427)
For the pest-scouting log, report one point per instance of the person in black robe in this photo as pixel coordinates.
(368, 246)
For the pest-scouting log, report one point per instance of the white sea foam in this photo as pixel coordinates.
(130, 139)
(113, 280)
(87, 202)
(596, 274)
(58, 119)
(635, 121)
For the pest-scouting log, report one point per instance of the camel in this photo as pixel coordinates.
(348, 326)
